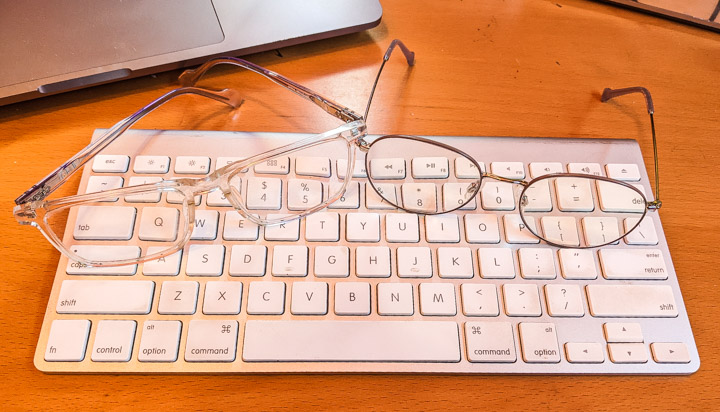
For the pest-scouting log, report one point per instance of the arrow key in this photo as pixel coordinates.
(627, 353)
(676, 352)
(623, 332)
(584, 352)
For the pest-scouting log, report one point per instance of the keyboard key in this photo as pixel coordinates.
(322, 227)
(643, 234)
(103, 253)
(617, 198)
(392, 168)
(263, 193)
(104, 223)
(517, 232)
(102, 183)
(414, 262)
(627, 352)
(159, 224)
(675, 352)
(110, 163)
(585, 168)
(247, 260)
(199, 165)
(332, 261)
(455, 262)
(564, 300)
(633, 264)
(395, 299)
(205, 260)
(561, 230)
(211, 341)
(509, 170)
(352, 298)
(309, 298)
(536, 263)
(164, 266)
(479, 300)
(455, 194)
(266, 298)
(402, 227)
(362, 227)
(334, 341)
(67, 341)
(630, 301)
(160, 341)
(119, 297)
(465, 169)
(420, 197)
(222, 298)
(627, 172)
(521, 299)
(350, 199)
(387, 201)
(358, 169)
(277, 166)
(497, 196)
(482, 228)
(490, 342)
(625, 332)
(539, 342)
(178, 298)
(538, 169)
(304, 194)
(206, 225)
(600, 230)
(584, 352)
(496, 263)
(437, 299)
(113, 341)
(372, 261)
(151, 164)
(312, 166)
(574, 194)
(536, 198)
(288, 231)
(290, 261)
(577, 264)
(430, 168)
(442, 229)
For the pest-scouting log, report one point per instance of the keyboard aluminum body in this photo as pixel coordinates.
(522, 329)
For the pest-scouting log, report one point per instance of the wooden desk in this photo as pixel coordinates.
(516, 68)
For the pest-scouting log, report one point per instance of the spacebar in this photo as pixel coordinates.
(358, 341)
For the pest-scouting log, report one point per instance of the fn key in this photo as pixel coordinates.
(67, 341)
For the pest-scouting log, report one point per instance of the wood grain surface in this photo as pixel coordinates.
(505, 68)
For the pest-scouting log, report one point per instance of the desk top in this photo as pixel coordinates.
(521, 68)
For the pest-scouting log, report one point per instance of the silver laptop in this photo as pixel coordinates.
(53, 46)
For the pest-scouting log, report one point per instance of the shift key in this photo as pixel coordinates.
(632, 301)
(105, 296)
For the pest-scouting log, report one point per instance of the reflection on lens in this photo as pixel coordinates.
(581, 211)
(422, 176)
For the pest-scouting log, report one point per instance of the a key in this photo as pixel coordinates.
(577, 264)
(643, 234)
(437, 299)
(238, 227)
(402, 227)
(309, 298)
(159, 341)
(517, 232)
(358, 168)
(277, 166)
(352, 298)
(419, 197)
(442, 228)
(211, 341)
(199, 165)
(362, 227)
(151, 164)
(113, 341)
(103, 253)
(151, 196)
(103, 183)
(564, 300)
(304, 194)
(455, 194)
(332, 261)
(561, 230)
(159, 224)
(574, 194)
(633, 264)
(263, 193)
(465, 169)
(222, 298)
(538, 169)
(479, 299)
(600, 230)
(496, 263)
(164, 266)
(387, 201)
(510, 170)
(322, 227)
(497, 196)
(350, 199)
(390, 168)
(585, 168)
(290, 261)
(178, 298)
(312, 166)
(248, 260)
(266, 298)
(110, 163)
(372, 261)
(536, 263)
(414, 262)
(629, 301)
(537, 197)
(624, 332)
(670, 352)
(205, 260)
(584, 352)
(482, 228)
(206, 225)
(490, 342)
(104, 223)
(430, 168)
(627, 172)
(521, 299)
(455, 262)
(67, 341)
(539, 342)
(627, 352)
(105, 297)
(617, 198)
(395, 299)
(289, 231)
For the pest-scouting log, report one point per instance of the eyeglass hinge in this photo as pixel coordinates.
(25, 214)
(654, 205)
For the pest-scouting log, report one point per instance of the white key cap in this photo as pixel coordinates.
(362, 227)
(490, 342)
(176, 197)
(122, 297)
(150, 196)
(536, 198)
(442, 228)
(104, 223)
(215, 198)
(627, 352)
(430, 168)
(465, 169)
(327, 340)
(277, 166)
(402, 227)
(266, 298)
(510, 170)
(419, 197)
(332, 261)
(538, 169)
(67, 341)
(385, 202)
(627, 172)
(178, 298)
(496, 263)
(517, 232)
(574, 194)
(205, 260)
(206, 225)
(304, 194)
(160, 341)
(536, 263)
(159, 224)
(455, 262)
(322, 227)
(223, 161)
(102, 183)
(263, 193)
(643, 234)
(358, 169)
(113, 341)
(199, 165)
(577, 264)
(675, 352)
(479, 299)
(349, 200)
(633, 264)
(437, 299)
(151, 164)
(309, 298)
(289, 231)
(352, 298)
(290, 261)
(110, 163)
(497, 196)
(482, 228)
(600, 230)
(414, 262)
(521, 299)
(211, 341)
(564, 300)
(584, 352)
(395, 299)
(561, 230)
(616, 198)
(222, 298)
(372, 261)
(248, 260)
(586, 168)
(625, 332)
(312, 166)
(238, 227)
(103, 253)
(455, 194)
(391, 168)
(165, 266)
(655, 301)
(539, 342)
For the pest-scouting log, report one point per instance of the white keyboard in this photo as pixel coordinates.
(360, 287)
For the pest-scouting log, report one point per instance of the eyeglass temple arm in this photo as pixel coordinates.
(42, 189)
(191, 76)
(409, 56)
(612, 93)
